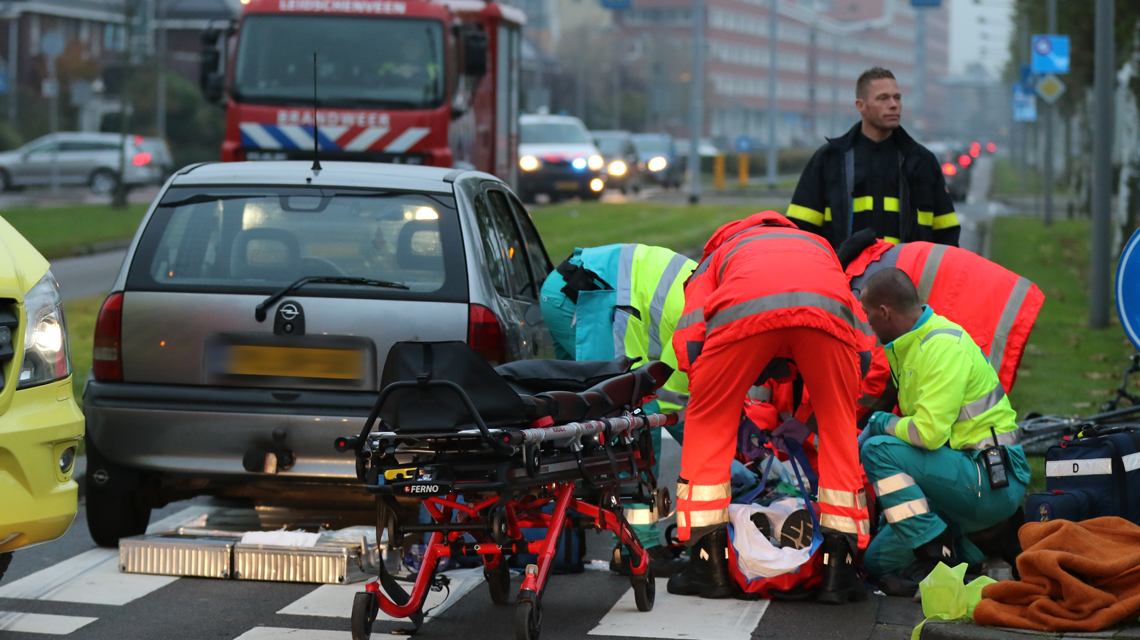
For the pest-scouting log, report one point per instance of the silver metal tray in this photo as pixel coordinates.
(324, 564)
(203, 554)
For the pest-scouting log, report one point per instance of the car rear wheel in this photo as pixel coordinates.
(103, 182)
(5, 179)
(114, 514)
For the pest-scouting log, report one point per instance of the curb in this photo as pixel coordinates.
(960, 630)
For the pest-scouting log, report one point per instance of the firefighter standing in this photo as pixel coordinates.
(624, 299)
(930, 468)
(875, 176)
(767, 297)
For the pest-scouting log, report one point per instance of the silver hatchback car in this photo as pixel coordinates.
(255, 309)
(90, 159)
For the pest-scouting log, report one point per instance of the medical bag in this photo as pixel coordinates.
(1098, 468)
(570, 557)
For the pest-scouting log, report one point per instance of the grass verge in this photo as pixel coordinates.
(81, 315)
(677, 227)
(59, 232)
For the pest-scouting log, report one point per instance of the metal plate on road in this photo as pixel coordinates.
(1128, 289)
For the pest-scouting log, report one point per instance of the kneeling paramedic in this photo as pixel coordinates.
(624, 300)
(942, 481)
(767, 299)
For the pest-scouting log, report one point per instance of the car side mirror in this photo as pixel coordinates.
(210, 78)
(475, 53)
(213, 88)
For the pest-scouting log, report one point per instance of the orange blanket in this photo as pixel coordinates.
(1075, 576)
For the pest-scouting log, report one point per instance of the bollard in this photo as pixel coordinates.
(718, 171)
(743, 163)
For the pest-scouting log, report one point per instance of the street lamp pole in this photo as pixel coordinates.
(696, 101)
(1049, 109)
(1104, 123)
(773, 105)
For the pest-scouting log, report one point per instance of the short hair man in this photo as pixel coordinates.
(875, 177)
(927, 466)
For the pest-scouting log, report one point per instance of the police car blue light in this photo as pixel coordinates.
(578, 163)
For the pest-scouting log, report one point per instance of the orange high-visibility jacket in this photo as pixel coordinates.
(759, 274)
(994, 305)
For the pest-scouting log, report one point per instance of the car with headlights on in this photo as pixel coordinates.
(254, 311)
(623, 167)
(41, 426)
(658, 158)
(558, 158)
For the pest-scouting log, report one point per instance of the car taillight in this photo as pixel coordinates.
(107, 356)
(485, 335)
(949, 169)
(141, 159)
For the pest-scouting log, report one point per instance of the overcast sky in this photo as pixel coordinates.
(980, 32)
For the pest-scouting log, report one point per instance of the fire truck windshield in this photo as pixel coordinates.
(361, 62)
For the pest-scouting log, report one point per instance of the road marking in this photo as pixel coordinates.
(193, 517)
(335, 601)
(42, 623)
(275, 633)
(682, 617)
(91, 577)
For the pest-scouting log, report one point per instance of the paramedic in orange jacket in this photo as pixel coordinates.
(767, 298)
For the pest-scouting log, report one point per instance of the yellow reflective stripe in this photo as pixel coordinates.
(894, 483)
(827, 214)
(837, 498)
(702, 518)
(926, 218)
(891, 239)
(843, 524)
(945, 221)
(866, 203)
(892, 204)
(810, 216)
(906, 510)
(643, 515)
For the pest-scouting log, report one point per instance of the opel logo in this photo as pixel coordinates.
(289, 311)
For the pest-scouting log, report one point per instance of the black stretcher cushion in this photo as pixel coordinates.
(537, 376)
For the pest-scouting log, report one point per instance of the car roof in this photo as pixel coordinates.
(374, 175)
(610, 134)
(537, 119)
(646, 136)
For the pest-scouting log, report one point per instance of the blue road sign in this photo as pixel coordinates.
(926, 3)
(1029, 79)
(1128, 289)
(1024, 104)
(1050, 54)
(743, 144)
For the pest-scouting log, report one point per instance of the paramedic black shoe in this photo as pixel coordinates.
(706, 575)
(663, 562)
(905, 581)
(840, 585)
(1001, 541)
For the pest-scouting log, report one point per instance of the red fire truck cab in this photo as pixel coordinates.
(403, 81)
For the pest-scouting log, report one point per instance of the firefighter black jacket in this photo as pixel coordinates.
(825, 201)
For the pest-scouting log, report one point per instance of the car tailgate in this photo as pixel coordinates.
(173, 338)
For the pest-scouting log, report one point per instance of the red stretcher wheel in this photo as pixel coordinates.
(528, 620)
(499, 582)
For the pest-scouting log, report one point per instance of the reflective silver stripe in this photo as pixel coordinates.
(982, 404)
(702, 518)
(930, 272)
(758, 393)
(1090, 467)
(889, 259)
(769, 235)
(838, 498)
(867, 400)
(691, 318)
(892, 426)
(843, 524)
(624, 296)
(672, 397)
(1005, 323)
(643, 515)
(949, 332)
(1007, 439)
(789, 300)
(1131, 462)
(904, 434)
(657, 306)
(704, 492)
(906, 510)
(891, 484)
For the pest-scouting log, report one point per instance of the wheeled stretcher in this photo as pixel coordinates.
(490, 452)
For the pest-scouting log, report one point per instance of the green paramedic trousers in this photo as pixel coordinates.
(923, 492)
(649, 534)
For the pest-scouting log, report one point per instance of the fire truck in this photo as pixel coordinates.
(405, 81)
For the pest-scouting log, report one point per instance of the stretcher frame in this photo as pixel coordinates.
(506, 477)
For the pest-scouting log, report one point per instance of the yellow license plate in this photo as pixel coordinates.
(295, 362)
(566, 185)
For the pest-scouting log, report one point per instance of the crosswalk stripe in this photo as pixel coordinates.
(335, 601)
(682, 617)
(276, 633)
(42, 623)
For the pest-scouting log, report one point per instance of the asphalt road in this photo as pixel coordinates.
(71, 588)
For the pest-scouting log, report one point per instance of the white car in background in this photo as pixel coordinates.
(87, 158)
(557, 157)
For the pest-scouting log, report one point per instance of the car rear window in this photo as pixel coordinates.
(258, 240)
